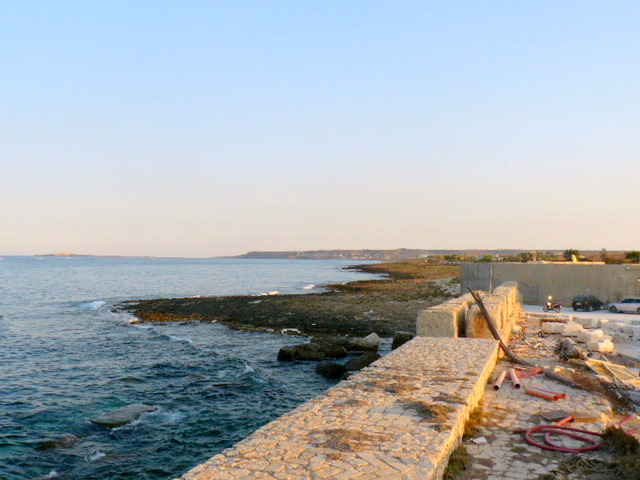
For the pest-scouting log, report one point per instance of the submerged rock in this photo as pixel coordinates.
(331, 369)
(362, 361)
(400, 338)
(64, 441)
(122, 416)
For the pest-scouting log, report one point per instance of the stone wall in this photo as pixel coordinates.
(398, 419)
(536, 281)
(461, 317)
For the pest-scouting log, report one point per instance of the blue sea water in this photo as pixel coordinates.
(66, 356)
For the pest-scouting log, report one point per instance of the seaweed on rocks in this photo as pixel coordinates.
(353, 309)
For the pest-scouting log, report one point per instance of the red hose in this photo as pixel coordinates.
(561, 430)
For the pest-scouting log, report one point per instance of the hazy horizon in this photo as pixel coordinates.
(203, 129)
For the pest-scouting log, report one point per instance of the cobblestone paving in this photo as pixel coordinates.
(398, 419)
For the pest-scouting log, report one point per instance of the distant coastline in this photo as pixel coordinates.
(69, 254)
(397, 254)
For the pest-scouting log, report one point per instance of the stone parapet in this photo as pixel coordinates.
(399, 419)
(460, 316)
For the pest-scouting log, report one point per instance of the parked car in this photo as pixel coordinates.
(628, 305)
(586, 302)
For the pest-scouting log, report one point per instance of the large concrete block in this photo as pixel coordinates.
(444, 320)
(590, 335)
(603, 346)
(476, 325)
(571, 329)
(552, 327)
(588, 322)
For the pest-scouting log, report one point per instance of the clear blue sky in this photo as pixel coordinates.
(203, 128)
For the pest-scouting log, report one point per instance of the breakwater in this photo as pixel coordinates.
(400, 418)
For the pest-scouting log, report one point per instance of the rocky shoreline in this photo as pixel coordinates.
(357, 308)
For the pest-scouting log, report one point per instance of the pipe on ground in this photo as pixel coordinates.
(498, 382)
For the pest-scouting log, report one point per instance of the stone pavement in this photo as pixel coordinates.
(400, 418)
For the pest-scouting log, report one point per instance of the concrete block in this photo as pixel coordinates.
(571, 329)
(552, 327)
(475, 324)
(590, 335)
(636, 332)
(588, 322)
(602, 346)
(613, 327)
(628, 330)
(441, 321)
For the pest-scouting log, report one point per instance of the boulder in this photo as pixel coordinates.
(368, 344)
(362, 361)
(566, 348)
(311, 351)
(287, 353)
(331, 369)
(122, 416)
(400, 338)
(340, 341)
(331, 350)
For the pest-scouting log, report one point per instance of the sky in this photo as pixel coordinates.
(205, 128)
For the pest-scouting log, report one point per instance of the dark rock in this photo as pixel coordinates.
(287, 354)
(340, 341)
(309, 351)
(122, 416)
(64, 441)
(362, 361)
(400, 338)
(331, 369)
(331, 350)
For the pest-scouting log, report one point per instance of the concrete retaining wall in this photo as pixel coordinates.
(461, 317)
(536, 281)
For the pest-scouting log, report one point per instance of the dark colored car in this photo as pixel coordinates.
(586, 302)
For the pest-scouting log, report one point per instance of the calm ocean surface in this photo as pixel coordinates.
(64, 357)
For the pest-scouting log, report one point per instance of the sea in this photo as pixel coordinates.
(66, 354)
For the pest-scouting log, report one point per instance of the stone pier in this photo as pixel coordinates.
(400, 418)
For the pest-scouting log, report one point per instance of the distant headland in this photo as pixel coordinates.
(69, 254)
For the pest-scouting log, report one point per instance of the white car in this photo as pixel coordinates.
(628, 305)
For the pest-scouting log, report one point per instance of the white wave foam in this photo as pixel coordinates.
(248, 368)
(171, 416)
(95, 305)
(52, 474)
(311, 286)
(175, 338)
(290, 330)
(95, 456)
(265, 294)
